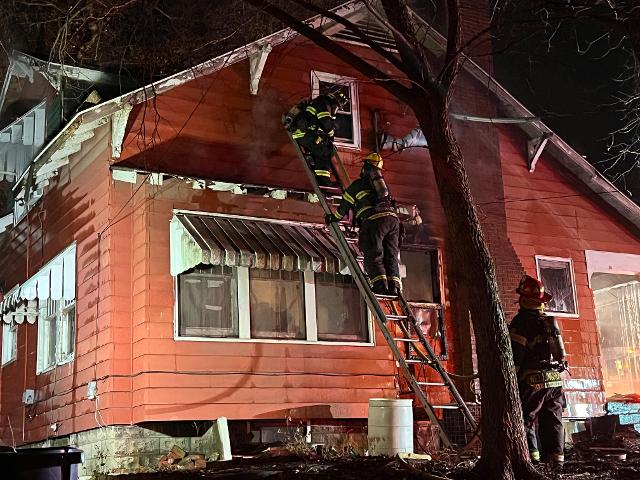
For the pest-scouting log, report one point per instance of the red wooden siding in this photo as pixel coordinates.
(75, 208)
(550, 213)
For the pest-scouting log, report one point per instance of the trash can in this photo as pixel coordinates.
(390, 426)
(53, 463)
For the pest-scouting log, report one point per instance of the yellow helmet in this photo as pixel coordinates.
(374, 159)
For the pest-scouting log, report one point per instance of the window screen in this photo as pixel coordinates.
(66, 332)
(557, 278)
(208, 302)
(277, 304)
(340, 310)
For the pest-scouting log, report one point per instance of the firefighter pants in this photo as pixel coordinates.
(544, 405)
(379, 241)
(321, 154)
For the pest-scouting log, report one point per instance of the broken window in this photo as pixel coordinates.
(347, 132)
(340, 309)
(9, 342)
(417, 283)
(208, 302)
(556, 274)
(277, 304)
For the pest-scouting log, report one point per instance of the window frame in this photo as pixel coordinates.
(352, 83)
(234, 275)
(62, 308)
(10, 327)
(574, 288)
(244, 320)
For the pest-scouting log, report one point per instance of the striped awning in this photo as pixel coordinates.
(238, 241)
(54, 281)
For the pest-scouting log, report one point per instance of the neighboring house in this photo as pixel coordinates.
(175, 269)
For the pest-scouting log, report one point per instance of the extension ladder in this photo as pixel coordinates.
(390, 311)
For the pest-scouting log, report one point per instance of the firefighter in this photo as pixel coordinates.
(379, 237)
(539, 357)
(314, 129)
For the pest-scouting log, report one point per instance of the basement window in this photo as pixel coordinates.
(9, 342)
(556, 274)
(348, 120)
(208, 302)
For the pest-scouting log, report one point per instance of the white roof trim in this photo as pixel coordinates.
(142, 94)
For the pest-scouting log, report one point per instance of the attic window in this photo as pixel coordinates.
(347, 120)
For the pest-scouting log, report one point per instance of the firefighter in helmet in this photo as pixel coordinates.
(314, 128)
(379, 237)
(539, 357)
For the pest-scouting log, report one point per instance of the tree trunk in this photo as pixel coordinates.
(504, 452)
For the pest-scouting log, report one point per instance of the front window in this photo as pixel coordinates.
(9, 342)
(556, 274)
(347, 132)
(208, 302)
(249, 303)
(277, 304)
(340, 309)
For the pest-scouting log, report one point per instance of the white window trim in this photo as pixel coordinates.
(573, 284)
(352, 83)
(11, 327)
(244, 318)
(58, 359)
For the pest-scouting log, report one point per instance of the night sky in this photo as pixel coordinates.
(574, 88)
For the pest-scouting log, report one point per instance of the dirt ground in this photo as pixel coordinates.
(582, 464)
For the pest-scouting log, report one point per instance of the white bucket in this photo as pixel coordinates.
(390, 426)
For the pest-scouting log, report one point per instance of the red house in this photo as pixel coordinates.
(164, 263)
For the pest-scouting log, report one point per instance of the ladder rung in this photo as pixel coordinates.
(406, 339)
(432, 384)
(396, 317)
(386, 297)
(415, 360)
(446, 407)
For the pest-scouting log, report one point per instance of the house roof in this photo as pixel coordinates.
(119, 107)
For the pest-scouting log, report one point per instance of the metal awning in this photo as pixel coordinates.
(55, 281)
(239, 241)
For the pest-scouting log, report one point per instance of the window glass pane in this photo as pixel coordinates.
(344, 118)
(208, 302)
(67, 336)
(277, 304)
(417, 286)
(47, 335)
(556, 278)
(340, 310)
(9, 340)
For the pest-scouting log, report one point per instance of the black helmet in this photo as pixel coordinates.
(338, 98)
